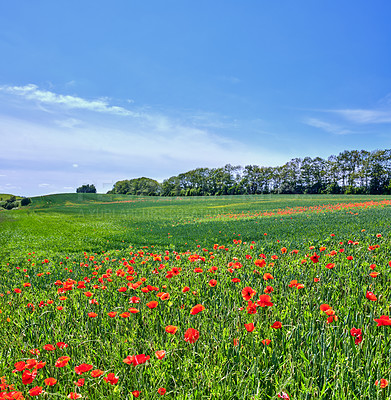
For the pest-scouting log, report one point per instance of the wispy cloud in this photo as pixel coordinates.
(47, 97)
(362, 116)
(327, 126)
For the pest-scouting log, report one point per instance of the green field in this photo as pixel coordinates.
(126, 248)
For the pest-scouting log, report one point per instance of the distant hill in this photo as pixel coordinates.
(6, 196)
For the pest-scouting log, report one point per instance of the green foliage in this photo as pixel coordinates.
(139, 186)
(86, 189)
(111, 241)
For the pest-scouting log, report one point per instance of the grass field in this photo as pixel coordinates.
(242, 297)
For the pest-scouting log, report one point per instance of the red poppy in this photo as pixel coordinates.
(79, 369)
(28, 377)
(196, 309)
(171, 329)
(314, 258)
(62, 361)
(268, 276)
(383, 383)
(49, 347)
(74, 395)
(96, 373)
(152, 304)
(136, 393)
(165, 296)
(92, 314)
(160, 354)
(111, 378)
(80, 382)
(212, 283)
(371, 296)
(112, 314)
(249, 327)
(235, 280)
(283, 395)
(185, 289)
(266, 342)
(191, 335)
(20, 366)
(260, 263)
(269, 289)
(125, 315)
(384, 320)
(133, 310)
(61, 345)
(162, 391)
(50, 381)
(330, 266)
(277, 325)
(264, 301)
(35, 391)
(251, 307)
(248, 293)
(324, 307)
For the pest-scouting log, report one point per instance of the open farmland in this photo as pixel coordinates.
(243, 297)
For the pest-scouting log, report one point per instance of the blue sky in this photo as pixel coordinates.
(99, 91)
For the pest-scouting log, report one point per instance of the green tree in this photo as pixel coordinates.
(86, 189)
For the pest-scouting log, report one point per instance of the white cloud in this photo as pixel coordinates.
(75, 165)
(43, 185)
(32, 92)
(362, 116)
(327, 126)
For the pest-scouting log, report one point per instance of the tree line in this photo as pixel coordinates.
(350, 172)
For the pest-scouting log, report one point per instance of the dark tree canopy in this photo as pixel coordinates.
(351, 172)
(86, 189)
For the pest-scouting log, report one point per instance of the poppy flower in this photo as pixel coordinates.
(251, 307)
(160, 354)
(61, 345)
(196, 309)
(92, 314)
(79, 369)
(384, 320)
(140, 359)
(96, 373)
(235, 280)
(314, 258)
(374, 274)
(324, 307)
(152, 304)
(171, 329)
(264, 301)
(28, 377)
(330, 266)
(111, 378)
(136, 393)
(283, 395)
(370, 296)
(123, 289)
(133, 310)
(74, 395)
(165, 296)
(269, 289)
(212, 283)
(49, 347)
(112, 314)
(236, 342)
(191, 335)
(185, 289)
(383, 383)
(35, 391)
(80, 382)
(266, 342)
(50, 381)
(161, 391)
(20, 366)
(248, 293)
(249, 327)
(260, 263)
(277, 325)
(62, 361)
(268, 276)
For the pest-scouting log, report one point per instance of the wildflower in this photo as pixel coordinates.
(266, 342)
(268, 276)
(196, 309)
(35, 391)
(248, 293)
(92, 314)
(74, 395)
(80, 382)
(185, 289)
(161, 391)
(49, 347)
(371, 296)
(384, 320)
(171, 329)
(249, 327)
(268, 289)
(191, 335)
(79, 369)
(383, 383)
(28, 377)
(357, 333)
(136, 393)
(112, 314)
(212, 283)
(330, 266)
(137, 359)
(160, 354)
(61, 345)
(314, 258)
(236, 342)
(96, 373)
(152, 304)
(283, 395)
(277, 325)
(62, 361)
(50, 381)
(133, 310)
(111, 378)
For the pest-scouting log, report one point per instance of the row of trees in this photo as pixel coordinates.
(351, 172)
(13, 202)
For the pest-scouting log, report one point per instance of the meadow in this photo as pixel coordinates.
(231, 297)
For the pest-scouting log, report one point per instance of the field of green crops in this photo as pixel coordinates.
(243, 297)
